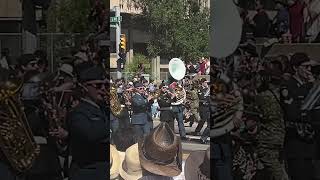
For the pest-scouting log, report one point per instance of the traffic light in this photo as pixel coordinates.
(123, 41)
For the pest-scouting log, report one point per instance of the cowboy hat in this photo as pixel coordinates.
(114, 162)
(160, 151)
(130, 168)
(198, 165)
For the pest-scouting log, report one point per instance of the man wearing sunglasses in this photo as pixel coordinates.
(141, 105)
(299, 142)
(89, 129)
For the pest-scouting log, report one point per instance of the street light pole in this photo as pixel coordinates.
(118, 32)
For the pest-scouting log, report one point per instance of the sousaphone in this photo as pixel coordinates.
(225, 28)
(177, 70)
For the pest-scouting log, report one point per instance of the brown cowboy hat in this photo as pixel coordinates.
(160, 152)
(198, 165)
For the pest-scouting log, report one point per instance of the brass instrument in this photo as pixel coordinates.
(177, 70)
(16, 139)
(115, 104)
(180, 95)
(54, 102)
(155, 94)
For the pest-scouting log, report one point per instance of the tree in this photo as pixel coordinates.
(179, 28)
(133, 66)
(71, 16)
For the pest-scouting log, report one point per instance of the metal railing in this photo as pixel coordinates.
(55, 44)
(130, 75)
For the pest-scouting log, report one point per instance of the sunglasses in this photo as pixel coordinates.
(140, 88)
(33, 64)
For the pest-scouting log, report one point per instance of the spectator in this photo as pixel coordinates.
(296, 13)
(281, 21)
(207, 66)
(141, 69)
(4, 58)
(261, 22)
(190, 68)
(202, 66)
(313, 24)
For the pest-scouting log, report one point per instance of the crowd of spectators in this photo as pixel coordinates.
(295, 21)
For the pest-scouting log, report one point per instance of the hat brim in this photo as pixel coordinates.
(192, 165)
(124, 175)
(69, 73)
(114, 169)
(171, 170)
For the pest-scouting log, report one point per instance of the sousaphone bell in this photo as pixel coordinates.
(177, 70)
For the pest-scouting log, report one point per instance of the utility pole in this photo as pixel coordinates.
(118, 33)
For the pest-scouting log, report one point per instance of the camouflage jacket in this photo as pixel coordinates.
(271, 131)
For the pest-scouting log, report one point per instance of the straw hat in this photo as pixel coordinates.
(160, 152)
(130, 168)
(67, 68)
(114, 162)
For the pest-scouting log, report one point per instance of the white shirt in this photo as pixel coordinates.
(4, 63)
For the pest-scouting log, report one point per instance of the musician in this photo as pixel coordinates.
(47, 166)
(204, 109)
(124, 119)
(222, 151)
(64, 98)
(178, 115)
(271, 134)
(6, 171)
(165, 99)
(299, 145)
(141, 117)
(194, 103)
(88, 126)
(64, 78)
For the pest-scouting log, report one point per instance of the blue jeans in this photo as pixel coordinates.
(178, 114)
(154, 109)
(142, 129)
(222, 159)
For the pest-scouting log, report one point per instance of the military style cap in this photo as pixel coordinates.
(298, 59)
(164, 84)
(26, 58)
(92, 73)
